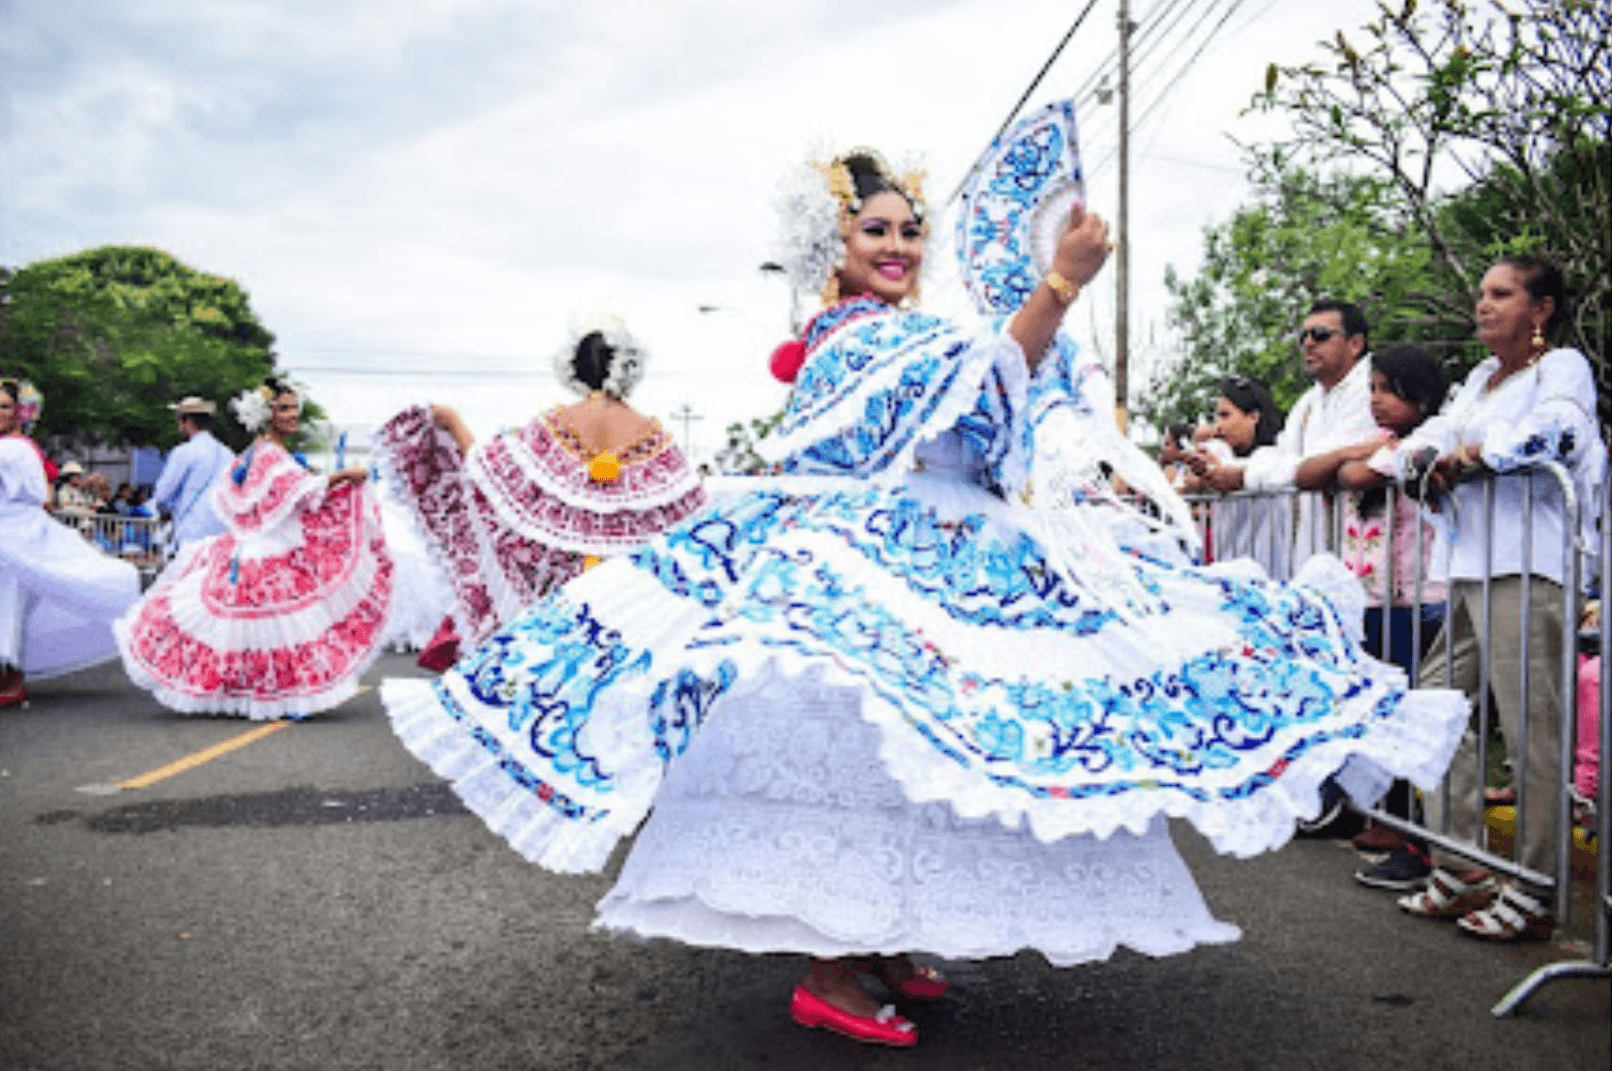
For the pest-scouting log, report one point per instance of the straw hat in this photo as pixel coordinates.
(191, 405)
(72, 468)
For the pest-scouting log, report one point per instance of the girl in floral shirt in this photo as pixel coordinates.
(1407, 387)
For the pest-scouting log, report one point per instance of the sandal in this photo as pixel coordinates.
(1515, 916)
(1448, 897)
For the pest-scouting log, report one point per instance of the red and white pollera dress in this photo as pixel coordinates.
(279, 616)
(528, 510)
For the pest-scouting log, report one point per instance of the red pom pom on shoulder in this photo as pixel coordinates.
(787, 359)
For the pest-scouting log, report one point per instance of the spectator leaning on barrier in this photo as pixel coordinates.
(1173, 454)
(1402, 570)
(190, 472)
(1525, 403)
(1247, 419)
(1335, 412)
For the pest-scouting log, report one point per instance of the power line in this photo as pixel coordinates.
(1105, 121)
(1031, 88)
(1149, 25)
(1180, 74)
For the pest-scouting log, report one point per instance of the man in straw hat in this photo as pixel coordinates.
(190, 472)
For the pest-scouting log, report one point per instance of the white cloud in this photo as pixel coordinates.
(410, 187)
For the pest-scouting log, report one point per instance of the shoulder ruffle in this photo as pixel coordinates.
(536, 482)
(273, 488)
(879, 382)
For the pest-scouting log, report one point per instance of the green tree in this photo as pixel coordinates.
(1304, 236)
(1491, 124)
(738, 456)
(112, 335)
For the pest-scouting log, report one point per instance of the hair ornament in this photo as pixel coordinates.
(627, 356)
(29, 402)
(253, 406)
(816, 204)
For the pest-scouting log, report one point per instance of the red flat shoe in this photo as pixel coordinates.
(12, 697)
(924, 983)
(886, 1028)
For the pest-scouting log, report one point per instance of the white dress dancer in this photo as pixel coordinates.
(281, 615)
(940, 693)
(58, 593)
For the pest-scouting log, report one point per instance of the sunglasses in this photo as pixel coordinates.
(1320, 333)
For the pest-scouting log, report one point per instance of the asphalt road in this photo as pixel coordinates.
(316, 899)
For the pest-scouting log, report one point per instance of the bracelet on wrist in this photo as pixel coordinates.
(1062, 288)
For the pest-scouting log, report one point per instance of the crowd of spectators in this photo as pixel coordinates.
(1398, 462)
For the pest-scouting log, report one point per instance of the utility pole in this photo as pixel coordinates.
(1122, 282)
(688, 416)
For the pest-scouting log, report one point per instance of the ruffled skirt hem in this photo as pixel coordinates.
(691, 921)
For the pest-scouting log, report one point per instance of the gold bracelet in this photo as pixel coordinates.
(1065, 290)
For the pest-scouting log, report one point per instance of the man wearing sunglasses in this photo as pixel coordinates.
(1335, 412)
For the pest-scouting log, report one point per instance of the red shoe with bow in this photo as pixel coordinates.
(885, 1028)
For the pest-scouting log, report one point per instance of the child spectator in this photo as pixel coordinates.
(1407, 387)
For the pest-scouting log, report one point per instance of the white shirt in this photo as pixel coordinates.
(1546, 412)
(1320, 420)
(191, 469)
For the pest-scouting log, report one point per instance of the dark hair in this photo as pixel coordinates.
(203, 421)
(1414, 375)
(1543, 280)
(869, 178)
(1180, 433)
(1253, 396)
(592, 360)
(278, 386)
(1354, 321)
(13, 388)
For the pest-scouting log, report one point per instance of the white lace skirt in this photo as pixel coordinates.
(780, 831)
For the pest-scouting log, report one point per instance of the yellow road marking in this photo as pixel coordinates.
(190, 762)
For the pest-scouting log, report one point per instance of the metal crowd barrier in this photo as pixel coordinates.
(142, 541)
(1213, 509)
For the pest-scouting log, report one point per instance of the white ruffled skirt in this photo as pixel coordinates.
(779, 830)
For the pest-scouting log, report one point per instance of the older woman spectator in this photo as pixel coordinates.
(1527, 402)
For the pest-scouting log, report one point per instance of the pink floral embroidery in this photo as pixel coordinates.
(250, 600)
(521, 515)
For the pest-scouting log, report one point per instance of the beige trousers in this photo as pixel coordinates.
(1538, 780)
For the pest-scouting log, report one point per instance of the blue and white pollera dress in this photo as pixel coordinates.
(935, 690)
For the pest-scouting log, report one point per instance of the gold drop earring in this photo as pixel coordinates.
(831, 290)
(1537, 343)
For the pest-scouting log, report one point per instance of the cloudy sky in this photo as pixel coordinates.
(419, 195)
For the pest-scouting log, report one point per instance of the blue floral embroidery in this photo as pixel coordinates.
(805, 574)
(680, 704)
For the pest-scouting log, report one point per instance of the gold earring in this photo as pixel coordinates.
(1538, 341)
(831, 290)
(914, 295)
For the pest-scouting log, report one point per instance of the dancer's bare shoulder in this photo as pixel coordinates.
(604, 425)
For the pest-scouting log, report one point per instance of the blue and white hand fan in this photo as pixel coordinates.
(1015, 206)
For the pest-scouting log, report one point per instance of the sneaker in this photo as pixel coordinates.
(1331, 810)
(1405, 870)
(1378, 841)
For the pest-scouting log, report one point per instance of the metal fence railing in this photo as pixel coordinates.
(144, 542)
(1253, 524)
